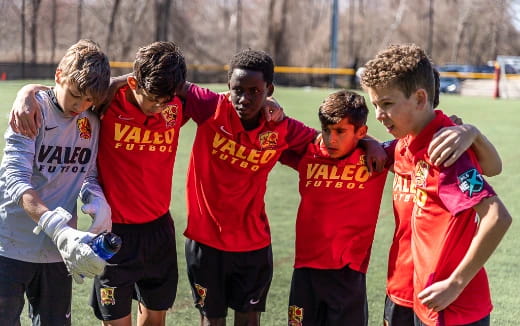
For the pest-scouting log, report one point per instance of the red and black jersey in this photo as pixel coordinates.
(443, 226)
(227, 173)
(136, 158)
(338, 211)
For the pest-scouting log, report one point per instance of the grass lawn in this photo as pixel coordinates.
(498, 119)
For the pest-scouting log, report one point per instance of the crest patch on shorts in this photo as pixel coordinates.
(107, 296)
(295, 316)
(201, 292)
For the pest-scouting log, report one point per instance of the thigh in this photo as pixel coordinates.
(15, 275)
(206, 275)
(343, 293)
(49, 295)
(113, 291)
(157, 288)
(249, 279)
(303, 307)
(396, 315)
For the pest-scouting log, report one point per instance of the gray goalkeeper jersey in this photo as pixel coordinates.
(57, 164)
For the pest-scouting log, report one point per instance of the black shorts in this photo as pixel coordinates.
(145, 269)
(48, 287)
(483, 322)
(328, 297)
(221, 279)
(396, 315)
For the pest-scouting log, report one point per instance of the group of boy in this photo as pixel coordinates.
(228, 246)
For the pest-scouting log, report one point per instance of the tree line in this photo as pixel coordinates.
(294, 32)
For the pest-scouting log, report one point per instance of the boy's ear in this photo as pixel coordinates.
(362, 131)
(57, 76)
(270, 89)
(132, 82)
(422, 98)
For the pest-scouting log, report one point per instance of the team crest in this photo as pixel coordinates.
(268, 139)
(421, 173)
(201, 292)
(471, 182)
(85, 131)
(169, 114)
(295, 316)
(107, 296)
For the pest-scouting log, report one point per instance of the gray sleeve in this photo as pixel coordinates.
(19, 155)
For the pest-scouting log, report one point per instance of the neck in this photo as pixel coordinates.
(424, 121)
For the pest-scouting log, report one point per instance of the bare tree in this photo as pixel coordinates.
(78, 18)
(34, 29)
(162, 17)
(462, 24)
(115, 8)
(53, 30)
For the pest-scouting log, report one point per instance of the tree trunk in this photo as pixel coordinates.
(111, 25)
(78, 19)
(53, 31)
(22, 18)
(162, 16)
(34, 30)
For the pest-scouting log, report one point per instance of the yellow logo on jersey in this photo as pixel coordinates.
(107, 296)
(170, 115)
(85, 131)
(268, 139)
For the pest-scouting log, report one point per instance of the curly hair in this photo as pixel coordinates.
(159, 68)
(87, 68)
(253, 60)
(343, 104)
(405, 66)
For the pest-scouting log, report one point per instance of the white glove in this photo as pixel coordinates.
(77, 255)
(100, 211)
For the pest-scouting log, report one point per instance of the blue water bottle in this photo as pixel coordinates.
(106, 244)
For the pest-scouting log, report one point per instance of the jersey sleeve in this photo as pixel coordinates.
(299, 136)
(389, 147)
(290, 158)
(19, 155)
(201, 103)
(461, 186)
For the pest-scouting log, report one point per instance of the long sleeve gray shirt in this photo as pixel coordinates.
(57, 165)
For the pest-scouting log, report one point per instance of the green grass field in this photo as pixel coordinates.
(496, 118)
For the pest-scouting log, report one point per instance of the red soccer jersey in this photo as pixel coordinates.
(399, 287)
(227, 174)
(338, 211)
(136, 158)
(443, 226)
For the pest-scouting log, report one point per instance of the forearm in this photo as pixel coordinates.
(487, 155)
(33, 205)
(495, 220)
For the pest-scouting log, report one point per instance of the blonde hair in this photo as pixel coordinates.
(404, 66)
(87, 68)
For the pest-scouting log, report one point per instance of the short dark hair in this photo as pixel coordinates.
(343, 104)
(159, 68)
(404, 66)
(253, 60)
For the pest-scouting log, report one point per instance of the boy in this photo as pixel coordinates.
(449, 244)
(40, 180)
(336, 219)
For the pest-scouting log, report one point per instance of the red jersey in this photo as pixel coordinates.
(338, 211)
(136, 158)
(399, 286)
(227, 173)
(443, 226)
